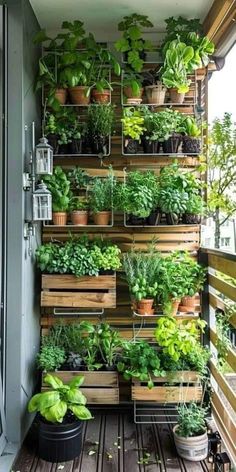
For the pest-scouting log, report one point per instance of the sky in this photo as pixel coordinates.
(222, 89)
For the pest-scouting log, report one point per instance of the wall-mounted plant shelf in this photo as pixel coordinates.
(99, 387)
(78, 292)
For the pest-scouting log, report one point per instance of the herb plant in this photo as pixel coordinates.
(50, 358)
(100, 120)
(133, 124)
(191, 420)
(59, 186)
(175, 68)
(78, 178)
(100, 194)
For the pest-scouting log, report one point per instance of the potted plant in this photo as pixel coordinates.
(140, 361)
(99, 127)
(59, 186)
(194, 210)
(173, 202)
(190, 433)
(191, 139)
(175, 68)
(79, 211)
(150, 141)
(51, 357)
(154, 88)
(196, 275)
(132, 44)
(55, 93)
(62, 412)
(109, 343)
(133, 129)
(50, 130)
(78, 178)
(141, 272)
(100, 199)
(132, 87)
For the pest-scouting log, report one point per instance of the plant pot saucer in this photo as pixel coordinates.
(134, 101)
(185, 309)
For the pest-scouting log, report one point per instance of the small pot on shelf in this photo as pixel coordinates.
(187, 304)
(59, 218)
(131, 146)
(79, 217)
(171, 307)
(149, 146)
(128, 92)
(190, 219)
(102, 218)
(176, 97)
(78, 95)
(155, 94)
(145, 306)
(172, 144)
(101, 97)
(191, 145)
(75, 146)
(61, 95)
(99, 144)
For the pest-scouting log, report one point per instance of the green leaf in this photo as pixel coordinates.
(43, 400)
(122, 45)
(81, 412)
(53, 381)
(76, 381)
(134, 32)
(40, 37)
(76, 396)
(55, 413)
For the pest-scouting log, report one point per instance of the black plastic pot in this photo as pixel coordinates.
(172, 218)
(136, 221)
(53, 141)
(189, 219)
(154, 218)
(76, 146)
(110, 368)
(172, 144)
(191, 145)
(99, 144)
(131, 146)
(64, 149)
(60, 442)
(150, 147)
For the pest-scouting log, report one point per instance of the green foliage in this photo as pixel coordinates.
(54, 404)
(191, 128)
(141, 361)
(79, 257)
(59, 186)
(132, 42)
(176, 63)
(173, 201)
(101, 191)
(195, 360)
(78, 178)
(191, 420)
(100, 120)
(134, 80)
(109, 343)
(195, 205)
(133, 123)
(223, 343)
(78, 204)
(50, 358)
(178, 339)
(65, 124)
(162, 125)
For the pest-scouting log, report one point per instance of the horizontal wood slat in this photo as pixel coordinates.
(222, 287)
(183, 376)
(78, 300)
(231, 357)
(226, 266)
(66, 281)
(216, 302)
(91, 379)
(223, 384)
(226, 423)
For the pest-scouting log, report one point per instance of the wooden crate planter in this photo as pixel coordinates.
(182, 387)
(98, 387)
(78, 292)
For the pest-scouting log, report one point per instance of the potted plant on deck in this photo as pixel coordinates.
(100, 199)
(62, 412)
(59, 186)
(99, 127)
(133, 129)
(190, 433)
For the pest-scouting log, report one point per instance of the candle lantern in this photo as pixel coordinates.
(42, 203)
(222, 462)
(214, 441)
(43, 157)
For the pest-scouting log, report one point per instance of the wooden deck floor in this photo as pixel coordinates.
(113, 443)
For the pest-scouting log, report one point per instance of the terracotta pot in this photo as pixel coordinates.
(78, 95)
(176, 97)
(144, 306)
(101, 97)
(155, 94)
(193, 448)
(171, 307)
(61, 95)
(128, 92)
(79, 217)
(134, 101)
(188, 302)
(102, 218)
(175, 306)
(59, 218)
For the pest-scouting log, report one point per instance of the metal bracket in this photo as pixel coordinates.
(27, 181)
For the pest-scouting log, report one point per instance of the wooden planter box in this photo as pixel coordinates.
(185, 387)
(98, 387)
(78, 292)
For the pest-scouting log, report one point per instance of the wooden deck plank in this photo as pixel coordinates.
(88, 462)
(130, 441)
(111, 451)
(149, 446)
(171, 462)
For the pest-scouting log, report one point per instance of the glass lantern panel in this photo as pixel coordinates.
(44, 162)
(42, 209)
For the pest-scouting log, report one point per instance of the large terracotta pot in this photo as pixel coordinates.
(101, 97)
(59, 218)
(102, 218)
(79, 217)
(78, 95)
(61, 95)
(144, 306)
(187, 304)
(176, 97)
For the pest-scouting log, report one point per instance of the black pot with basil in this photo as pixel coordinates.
(131, 146)
(154, 218)
(173, 204)
(99, 127)
(133, 220)
(194, 210)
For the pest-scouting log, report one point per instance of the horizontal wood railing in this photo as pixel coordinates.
(220, 293)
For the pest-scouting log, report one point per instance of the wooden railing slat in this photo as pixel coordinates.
(226, 266)
(226, 423)
(223, 384)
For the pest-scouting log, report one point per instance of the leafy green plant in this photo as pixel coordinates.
(50, 358)
(65, 124)
(191, 128)
(134, 80)
(173, 201)
(223, 343)
(133, 124)
(49, 80)
(78, 178)
(109, 343)
(195, 205)
(78, 204)
(162, 125)
(141, 361)
(191, 420)
(100, 120)
(196, 360)
(174, 71)
(100, 194)
(178, 339)
(54, 404)
(59, 186)
(132, 42)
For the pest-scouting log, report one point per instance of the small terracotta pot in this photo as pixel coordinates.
(59, 218)
(188, 302)
(102, 218)
(78, 95)
(61, 95)
(134, 101)
(101, 97)
(79, 217)
(176, 97)
(144, 306)
(128, 92)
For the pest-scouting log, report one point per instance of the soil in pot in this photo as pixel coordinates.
(191, 145)
(193, 448)
(144, 306)
(60, 442)
(172, 218)
(79, 218)
(75, 146)
(53, 141)
(154, 218)
(78, 95)
(176, 97)
(136, 221)
(101, 97)
(155, 94)
(189, 219)
(61, 95)
(172, 144)
(99, 144)
(59, 218)
(128, 92)
(131, 146)
(102, 218)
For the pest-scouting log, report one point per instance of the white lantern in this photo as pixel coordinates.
(42, 203)
(43, 157)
